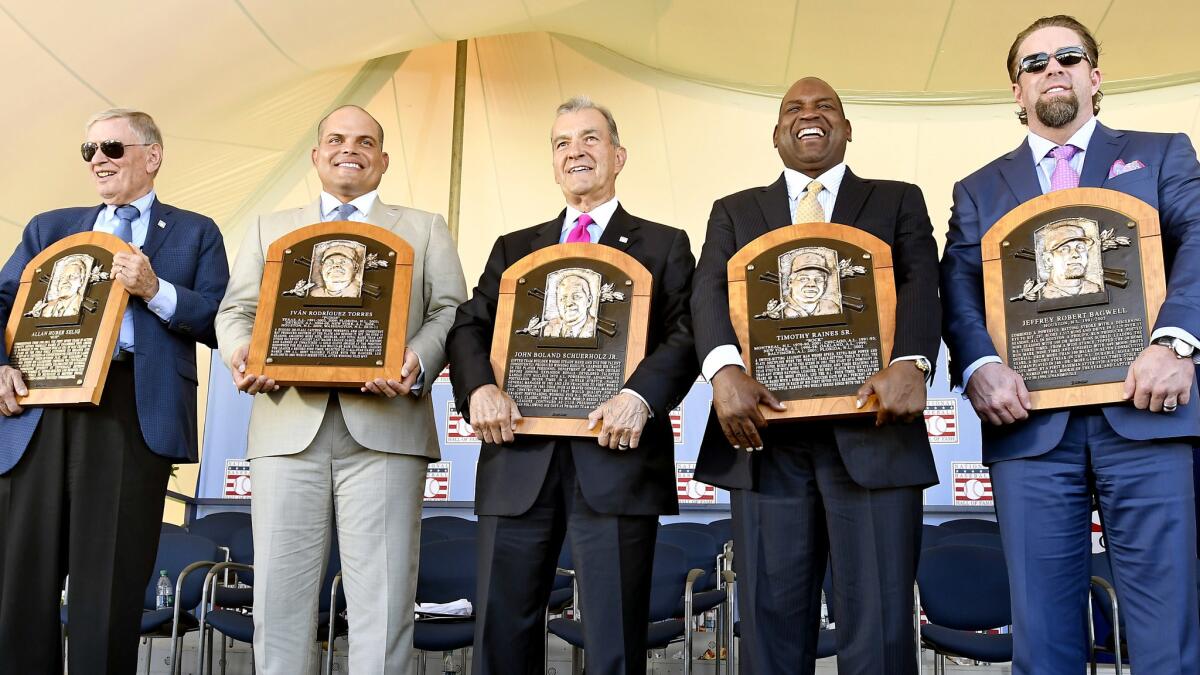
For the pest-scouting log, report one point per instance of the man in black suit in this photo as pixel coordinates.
(851, 488)
(531, 491)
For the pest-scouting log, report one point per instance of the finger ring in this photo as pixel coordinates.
(623, 446)
(1170, 407)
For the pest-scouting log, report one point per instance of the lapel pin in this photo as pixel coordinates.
(162, 225)
(624, 240)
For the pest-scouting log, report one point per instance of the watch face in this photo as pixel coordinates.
(1182, 348)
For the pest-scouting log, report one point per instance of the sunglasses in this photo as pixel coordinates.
(1067, 56)
(111, 149)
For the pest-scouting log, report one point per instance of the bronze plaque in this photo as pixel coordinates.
(333, 309)
(814, 308)
(571, 328)
(66, 319)
(1075, 303)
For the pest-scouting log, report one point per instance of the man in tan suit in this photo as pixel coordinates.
(360, 455)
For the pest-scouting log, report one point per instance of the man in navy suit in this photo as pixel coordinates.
(607, 494)
(81, 489)
(1135, 456)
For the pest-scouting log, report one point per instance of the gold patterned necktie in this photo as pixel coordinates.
(808, 209)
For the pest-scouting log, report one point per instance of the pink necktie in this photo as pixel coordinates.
(580, 233)
(1064, 176)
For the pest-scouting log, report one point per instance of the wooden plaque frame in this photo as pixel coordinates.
(885, 298)
(116, 299)
(994, 245)
(639, 319)
(400, 273)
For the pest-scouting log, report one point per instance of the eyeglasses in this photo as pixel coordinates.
(111, 149)
(1067, 56)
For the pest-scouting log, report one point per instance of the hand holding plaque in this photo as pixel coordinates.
(813, 306)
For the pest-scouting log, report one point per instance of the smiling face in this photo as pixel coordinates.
(69, 280)
(806, 286)
(812, 130)
(349, 156)
(124, 180)
(1059, 97)
(574, 299)
(586, 162)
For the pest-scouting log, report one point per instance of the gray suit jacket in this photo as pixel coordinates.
(286, 421)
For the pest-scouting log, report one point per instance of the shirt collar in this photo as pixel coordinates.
(1080, 139)
(830, 180)
(142, 204)
(364, 203)
(600, 214)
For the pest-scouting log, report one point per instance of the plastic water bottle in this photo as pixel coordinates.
(165, 591)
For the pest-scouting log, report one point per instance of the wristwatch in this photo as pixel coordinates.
(1182, 348)
(922, 365)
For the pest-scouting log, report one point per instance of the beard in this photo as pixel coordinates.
(1057, 112)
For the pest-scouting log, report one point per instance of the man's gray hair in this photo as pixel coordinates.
(577, 103)
(142, 124)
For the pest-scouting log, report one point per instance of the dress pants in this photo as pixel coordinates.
(374, 500)
(1146, 496)
(86, 499)
(806, 509)
(613, 557)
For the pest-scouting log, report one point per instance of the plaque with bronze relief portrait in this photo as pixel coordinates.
(1073, 281)
(571, 324)
(333, 306)
(813, 306)
(66, 319)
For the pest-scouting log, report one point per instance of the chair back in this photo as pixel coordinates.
(429, 536)
(721, 530)
(447, 571)
(175, 552)
(967, 525)
(220, 527)
(241, 550)
(172, 528)
(333, 565)
(699, 547)
(932, 535)
(451, 526)
(564, 562)
(988, 539)
(949, 574)
(667, 581)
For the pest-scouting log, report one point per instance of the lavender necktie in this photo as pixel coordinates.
(1064, 177)
(580, 233)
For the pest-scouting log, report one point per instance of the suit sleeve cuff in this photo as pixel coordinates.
(641, 398)
(916, 357)
(982, 361)
(420, 383)
(165, 301)
(1173, 332)
(718, 358)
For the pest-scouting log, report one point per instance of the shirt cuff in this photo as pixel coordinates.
(164, 301)
(649, 410)
(982, 361)
(420, 383)
(1173, 332)
(916, 357)
(718, 358)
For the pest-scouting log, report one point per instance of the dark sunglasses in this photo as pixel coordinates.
(111, 149)
(1067, 56)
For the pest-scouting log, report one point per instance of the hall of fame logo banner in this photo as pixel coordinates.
(972, 484)
(443, 377)
(941, 420)
(457, 429)
(692, 491)
(237, 479)
(437, 482)
(677, 424)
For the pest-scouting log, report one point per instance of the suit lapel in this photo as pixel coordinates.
(547, 233)
(88, 221)
(773, 201)
(1019, 172)
(383, 215)
(159, 213)
(620, 231)
(851, 197)
(1103, 150)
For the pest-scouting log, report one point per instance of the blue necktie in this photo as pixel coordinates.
(345, 211)
(126, 214)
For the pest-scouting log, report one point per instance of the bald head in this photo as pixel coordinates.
(812, 130)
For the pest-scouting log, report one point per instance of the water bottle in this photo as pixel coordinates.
(165, 593)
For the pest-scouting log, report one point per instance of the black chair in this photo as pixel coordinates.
(972, 539)
(179, 555)
(451, 526)
(721, 530)
(702, 550)
(172, 528)
(447, 573)
(1105, 623)
(932, 535)
(429, 536)
(670, 577)
(237, 624)
(967, 525)
(948, 574)
(221, 528)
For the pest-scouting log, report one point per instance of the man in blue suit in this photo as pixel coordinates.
(1136, 456)
(81, 489)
